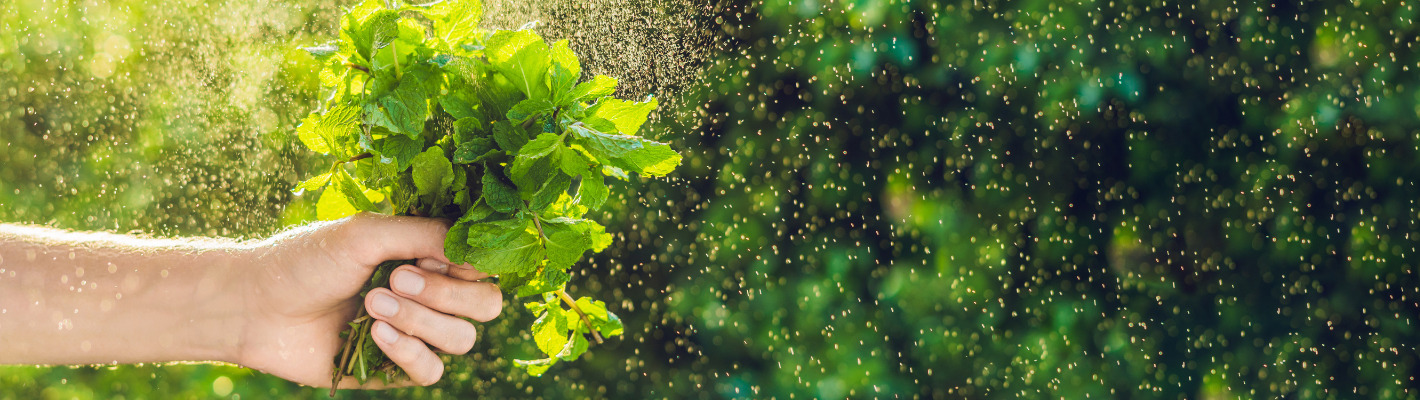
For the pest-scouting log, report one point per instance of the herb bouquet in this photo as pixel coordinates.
(429, 115)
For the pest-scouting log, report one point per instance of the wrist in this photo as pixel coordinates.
(216, 316)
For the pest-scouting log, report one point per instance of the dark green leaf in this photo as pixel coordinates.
(476, 150)
(550, 191)
(433, 174)
(510, 137)
(528, 108)
(499, 195)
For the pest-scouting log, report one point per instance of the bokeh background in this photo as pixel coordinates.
(880, 199)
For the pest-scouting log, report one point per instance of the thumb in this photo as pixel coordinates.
(372, 238)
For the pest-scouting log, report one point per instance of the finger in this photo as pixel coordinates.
(465, 272)
(481, 301)
(445, 332)
(421, 364)
(373, 238)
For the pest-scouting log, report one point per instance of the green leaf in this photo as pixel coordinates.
(313, 184)
(565, 244)
(550, 280)
(519, 252)
(510, 138)
(599, 86)
(323, 52)
(356, 195)
(533, 177)
(593, 191)
(333, 205)
(531, 152)
(406, 106)
(528, 108)
(550, 331)
(433, 174)
(376, 31)
(522, 57)
(332, 132)
(458, 107)
(571, 161)
(456, 246)
(611, 326)
(605, 146)
(536, 367)
(653, 159)
(499, 195)
(398, 149)
(628, 116)
(550, 191)
(475, 150)
(495, 234)
(565, 70)
(456, 21)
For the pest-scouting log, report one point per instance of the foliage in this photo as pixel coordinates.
(489, 128)
(1128, 199)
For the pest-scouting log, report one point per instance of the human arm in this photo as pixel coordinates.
(275, 305)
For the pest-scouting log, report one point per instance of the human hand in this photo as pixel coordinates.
(302, 287)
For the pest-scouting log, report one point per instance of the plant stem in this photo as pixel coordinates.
(394, 55)
(572, 303)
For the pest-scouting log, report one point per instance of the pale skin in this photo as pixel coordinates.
(275, 305)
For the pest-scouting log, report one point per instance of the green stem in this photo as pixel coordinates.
(394, 55)
(573, 304)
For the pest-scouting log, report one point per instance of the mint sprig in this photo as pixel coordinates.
(428, 114)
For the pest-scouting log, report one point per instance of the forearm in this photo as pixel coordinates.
(82, 298)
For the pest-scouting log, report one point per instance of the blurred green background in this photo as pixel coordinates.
(880, 199)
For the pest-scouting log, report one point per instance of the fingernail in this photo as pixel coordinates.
(384, 305)
(386, 333)
(408, 282)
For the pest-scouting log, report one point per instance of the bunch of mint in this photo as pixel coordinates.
(427, 114)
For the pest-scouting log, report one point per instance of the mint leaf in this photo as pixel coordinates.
(550, 280)
(531, 152)
(509, 137)
(499, 195)
(399, 149)
(495, 234)
(628, 116)
(312, 184)
(456, 246)
(433, 174)
(605, 146)
(475, 150)
(653, 159)
(323, 52)
(550, 331)
(522, 57)
(456, 21)
(356, 195)
(407, 106)
(593, 191)
(457, 106)
(565, 244)
(599, 86)
(565, 70)
(518, 254)
(573, 162)
(549, 192)
(529, 107)
(331, 132)
(333, 205)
